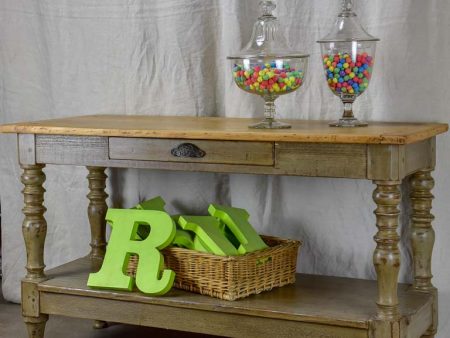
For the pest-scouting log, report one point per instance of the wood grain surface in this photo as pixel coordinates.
(231, 152)
(231, 129)
(314, 299)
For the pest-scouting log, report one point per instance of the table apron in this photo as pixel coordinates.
(356, 161)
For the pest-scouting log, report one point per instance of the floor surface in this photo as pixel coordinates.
(12, 326)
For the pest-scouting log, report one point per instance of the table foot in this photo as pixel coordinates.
(100, 324)
(36, 326)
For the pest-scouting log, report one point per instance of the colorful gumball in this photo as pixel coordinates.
(271, 78)
(352, 75)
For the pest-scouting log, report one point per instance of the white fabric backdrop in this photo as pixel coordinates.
(61, 58)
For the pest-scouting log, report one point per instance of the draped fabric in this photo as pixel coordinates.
(63, 58)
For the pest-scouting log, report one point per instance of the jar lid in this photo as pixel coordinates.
(266, 41)
(347, 27)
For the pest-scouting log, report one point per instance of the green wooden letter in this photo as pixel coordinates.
(207, 229)
(237, 221)
(156, 203)
(228, 234)
(151, 278)
(183, 239)
(199, 246)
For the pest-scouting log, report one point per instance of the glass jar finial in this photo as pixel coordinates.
(347, 8)
(267, 7)
(347, 5)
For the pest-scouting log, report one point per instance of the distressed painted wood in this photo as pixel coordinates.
(197, 321)
(420, 155)
(34, 226)
(322, 159)
(411, 326)
(384, 162)
(97, 210)
(316, 306)
(422, 237)
(26, 148)
(385, 153)
(30, 298)
(395, 162)
(414, 325)
(36, 326)
(34, 229)
(231, 152)
(386, 258)
(63, 149)
(229, 129)
(375, 162)
(383, 329)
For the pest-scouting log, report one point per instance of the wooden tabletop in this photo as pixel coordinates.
(235, 129)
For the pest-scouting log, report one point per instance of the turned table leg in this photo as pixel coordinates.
(34, 230)
(96, 212)
(422, 238)
(386, 257)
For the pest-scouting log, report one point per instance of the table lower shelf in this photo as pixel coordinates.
(316, 306)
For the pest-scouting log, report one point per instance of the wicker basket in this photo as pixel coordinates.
(231, 277)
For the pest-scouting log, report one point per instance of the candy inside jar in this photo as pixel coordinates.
(278, 77)
(348, 74)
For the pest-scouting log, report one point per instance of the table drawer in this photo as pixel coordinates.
(200, 151)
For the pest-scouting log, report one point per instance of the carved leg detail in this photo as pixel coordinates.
(386, 257)
(34, 229)
(422, 237)
(34, 226)
(36, 326)
(97, 210)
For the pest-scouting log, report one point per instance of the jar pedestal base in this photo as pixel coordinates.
(348, 123)
(270, 124)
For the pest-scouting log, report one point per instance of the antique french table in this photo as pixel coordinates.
(316, 306)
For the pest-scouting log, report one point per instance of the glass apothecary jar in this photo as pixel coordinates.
(267, 67)
(348, 55)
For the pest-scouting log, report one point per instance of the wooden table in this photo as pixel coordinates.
(315, 306)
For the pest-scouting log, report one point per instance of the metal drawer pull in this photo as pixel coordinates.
(187, 150)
